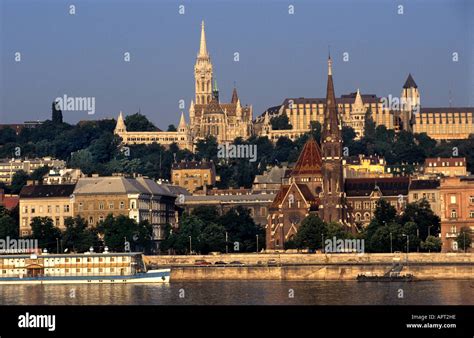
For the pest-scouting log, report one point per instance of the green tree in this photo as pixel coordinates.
(8, 227)
(212, 238)
(19, 180)
(425, 219)
(464, 239)
(310, 234)
(207, 214)
(431, 244)
(57, 114)
(241, 228)
(190, 226)
(207, 149)
(121, 233)
(7, 135)
(78, 237)
(139, 122)
(83, 160)
(39, 173)
(280, 122)
(46, 233)
(172, 127)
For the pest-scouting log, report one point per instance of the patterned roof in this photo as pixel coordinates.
(309, 161)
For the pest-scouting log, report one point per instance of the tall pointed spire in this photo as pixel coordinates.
(202, 46)
(331, 117)
(120, 127)
(358, 99)
(182, 123)
(235, 97)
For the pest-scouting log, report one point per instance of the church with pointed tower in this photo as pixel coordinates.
(315, 184)
(207, 114)
(333, 207)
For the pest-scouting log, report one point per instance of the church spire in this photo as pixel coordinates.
(235, 97)
(331, 118)
(202, 46)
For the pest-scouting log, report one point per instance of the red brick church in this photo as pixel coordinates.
(315, 184)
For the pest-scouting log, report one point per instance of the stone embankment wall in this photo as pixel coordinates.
(423, 266)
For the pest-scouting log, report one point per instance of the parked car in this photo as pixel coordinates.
(220, 263)
(201, 262)
(272, 262)
(236, 263)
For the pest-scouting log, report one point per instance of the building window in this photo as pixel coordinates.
(32, 210)
(57, 209)
(81, 206)
(111, 205)
(453, 199)
(471, 214)
(66, 208)
(41, 209)
(91, 220)
(471, 199)
(56, 221)
(122, 205)
(454, 213)
(366, 205)
(101, 205)
(49, 209)
(453, 229)
(25, 209)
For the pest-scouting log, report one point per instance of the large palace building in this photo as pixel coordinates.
(440, 123)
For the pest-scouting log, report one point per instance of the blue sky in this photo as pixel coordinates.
(281, 55)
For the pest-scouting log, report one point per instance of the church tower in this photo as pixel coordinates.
(203, 72)
(410, 102)
(332, 208)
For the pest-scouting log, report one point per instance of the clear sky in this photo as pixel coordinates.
(281, 55)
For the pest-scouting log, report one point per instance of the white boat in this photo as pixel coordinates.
(87, 268)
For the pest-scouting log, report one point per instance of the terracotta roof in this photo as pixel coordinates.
(309, 161)
(280, 196)
(389, 186)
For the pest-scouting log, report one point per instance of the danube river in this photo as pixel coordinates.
(447, 292)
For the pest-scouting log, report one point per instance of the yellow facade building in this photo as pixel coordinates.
(53, 201)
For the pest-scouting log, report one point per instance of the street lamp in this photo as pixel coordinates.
(57, 245)
(391, 246)
(408, 244)
(257, 243)
(226, 243)
(464, 235)
(190, 245)
(322, 243)
(429, 229)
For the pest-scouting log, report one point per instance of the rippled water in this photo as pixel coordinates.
(243, 292)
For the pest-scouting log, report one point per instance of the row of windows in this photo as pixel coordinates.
(111, 205)
(454, 213)
(48, 209)
(446, 164)
(453, 199)
(369, 205)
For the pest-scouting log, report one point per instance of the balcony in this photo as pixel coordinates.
(452, 234)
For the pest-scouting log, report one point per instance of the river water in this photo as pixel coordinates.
(447, 292)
